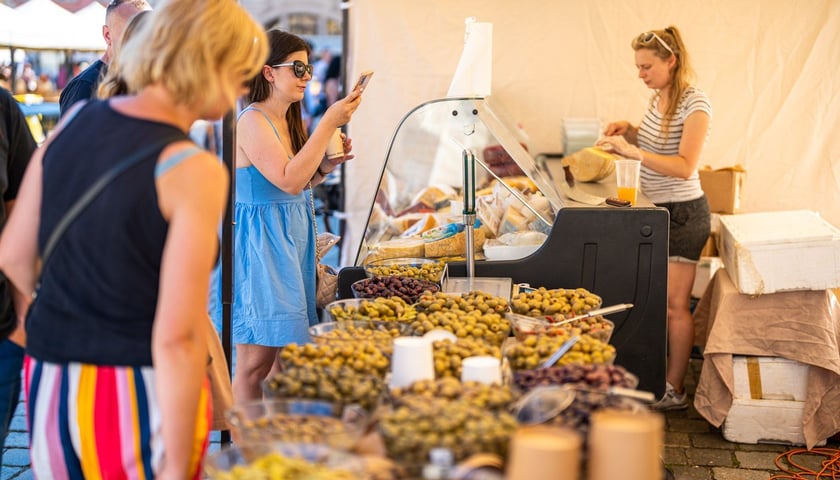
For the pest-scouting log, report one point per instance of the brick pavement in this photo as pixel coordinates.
(694, 450)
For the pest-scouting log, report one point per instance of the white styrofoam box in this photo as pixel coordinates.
(715, 223)
(776, 251)
(706, 268)
(769, 378)
(765, 421)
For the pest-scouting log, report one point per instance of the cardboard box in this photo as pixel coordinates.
(765, 421)
(723, 188)
(710, 248)
(706, 268)
(778, 251)
(769, 378)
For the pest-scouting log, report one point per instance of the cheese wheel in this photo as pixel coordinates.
(591, 164)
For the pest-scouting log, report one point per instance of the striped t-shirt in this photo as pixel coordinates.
(661, 188)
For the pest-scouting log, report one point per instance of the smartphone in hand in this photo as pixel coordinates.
(363, 81)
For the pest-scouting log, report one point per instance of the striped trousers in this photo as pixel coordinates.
(100, 422)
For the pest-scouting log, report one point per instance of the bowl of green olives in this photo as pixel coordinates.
(420, 268)
(534, 350)
(387, 309)
(378, 332)
(343, 384)
(298, 421)
(566, 302)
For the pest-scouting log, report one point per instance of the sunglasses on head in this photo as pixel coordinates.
(299, 68)
(648, 37)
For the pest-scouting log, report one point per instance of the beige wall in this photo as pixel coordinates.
(770, 68)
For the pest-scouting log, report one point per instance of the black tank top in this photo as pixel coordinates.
(98, 294)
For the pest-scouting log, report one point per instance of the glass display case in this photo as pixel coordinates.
(419, 206)
(524, 229)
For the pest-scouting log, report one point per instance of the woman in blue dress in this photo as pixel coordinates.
(274, 235)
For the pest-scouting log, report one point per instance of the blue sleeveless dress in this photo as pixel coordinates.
(273, 263)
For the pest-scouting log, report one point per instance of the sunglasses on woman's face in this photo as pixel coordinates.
(299, 68)
(648, 37)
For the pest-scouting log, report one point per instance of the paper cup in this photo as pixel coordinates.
(626, 445)
(482, 369)
(544, 452)
(335, 148)
(412, 361)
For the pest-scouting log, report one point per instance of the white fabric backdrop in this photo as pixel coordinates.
(769, 67)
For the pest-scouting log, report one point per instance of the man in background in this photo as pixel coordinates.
(16, 147)
(84, 85)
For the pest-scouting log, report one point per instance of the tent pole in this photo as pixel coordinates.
(228, 148)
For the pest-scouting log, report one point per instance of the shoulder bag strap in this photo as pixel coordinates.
(95, 190)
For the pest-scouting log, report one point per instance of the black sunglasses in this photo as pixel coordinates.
(299, 67)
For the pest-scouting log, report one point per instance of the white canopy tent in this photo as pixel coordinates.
(43, 25)
(8, 22)
(90, 21)
(770, 69)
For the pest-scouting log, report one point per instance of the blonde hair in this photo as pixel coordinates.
(682, 74)
(192, 48)
(113, 83)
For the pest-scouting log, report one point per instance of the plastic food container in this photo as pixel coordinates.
(590, 376)
(409, 289)
(380, 333)
(297, 421)
(349, 386)
(275, 459)
(379, 309)
(557, 302)
(534, 350)
(421, 268)
(597, 327)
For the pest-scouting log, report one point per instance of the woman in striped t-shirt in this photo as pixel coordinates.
(668, 142)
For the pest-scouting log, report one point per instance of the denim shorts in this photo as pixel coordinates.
(689, 229)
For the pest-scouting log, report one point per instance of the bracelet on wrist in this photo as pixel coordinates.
(322, 173)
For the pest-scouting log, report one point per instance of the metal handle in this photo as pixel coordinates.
(600, 311)
(567, 345)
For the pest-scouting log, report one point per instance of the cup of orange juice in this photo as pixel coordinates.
(627, 179)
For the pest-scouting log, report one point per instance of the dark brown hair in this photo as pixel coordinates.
(282, 45)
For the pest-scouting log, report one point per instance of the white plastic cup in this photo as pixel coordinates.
(627, 179)
(412, 361)
(437, 334)
(483, 369)
(335, 148)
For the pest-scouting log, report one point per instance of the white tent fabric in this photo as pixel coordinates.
(770, 69)
(8, 21)
(90, 21)
(42, 24)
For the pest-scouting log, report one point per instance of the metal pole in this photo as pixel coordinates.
(228, 149)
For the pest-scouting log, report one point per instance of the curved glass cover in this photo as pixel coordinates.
(419, 206)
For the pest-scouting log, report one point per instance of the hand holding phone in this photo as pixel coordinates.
(363, 81)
